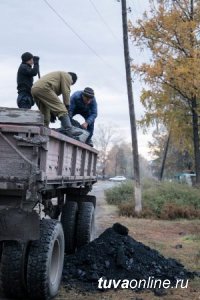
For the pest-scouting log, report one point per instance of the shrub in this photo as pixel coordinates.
(120, 193)
(164, 200)
(172, 211)
(127, 210)
(165, 193)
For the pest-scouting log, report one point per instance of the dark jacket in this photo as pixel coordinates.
(78, 107)
(25, 76)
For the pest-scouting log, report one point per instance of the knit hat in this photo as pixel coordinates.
(26, 56)
(88, 92)
(73, 76)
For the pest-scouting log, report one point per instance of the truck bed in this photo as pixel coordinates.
(34, 159)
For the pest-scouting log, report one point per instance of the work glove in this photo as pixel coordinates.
(75, 123)
(36, 60)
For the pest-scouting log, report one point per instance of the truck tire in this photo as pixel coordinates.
(1, 249)
(13, 269)
(68, 220)
(90, 198)
(85, 224)
(45, 261)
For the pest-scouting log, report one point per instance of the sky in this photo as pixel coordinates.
(88, 41)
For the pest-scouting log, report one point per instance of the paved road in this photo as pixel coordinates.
(101, 211)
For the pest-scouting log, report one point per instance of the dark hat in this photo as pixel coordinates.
(88, 92)
(26, 56)
(73, 76)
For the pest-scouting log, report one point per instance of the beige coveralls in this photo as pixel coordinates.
(46, 91)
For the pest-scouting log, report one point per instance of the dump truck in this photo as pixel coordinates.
(45, 209)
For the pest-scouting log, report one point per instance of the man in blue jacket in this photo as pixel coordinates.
(84, 103)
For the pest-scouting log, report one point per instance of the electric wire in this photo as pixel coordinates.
(79, 37)
(105, 23)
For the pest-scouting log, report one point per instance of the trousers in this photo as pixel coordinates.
(47, 102)
(25, 100)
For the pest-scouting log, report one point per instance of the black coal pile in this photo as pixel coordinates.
(116, 255)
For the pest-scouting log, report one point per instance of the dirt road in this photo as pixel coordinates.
(104, 212)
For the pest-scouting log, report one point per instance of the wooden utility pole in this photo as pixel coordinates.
(164, 158)
(137, 185)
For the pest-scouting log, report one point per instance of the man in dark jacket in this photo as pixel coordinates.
(84, 104)
(25, 76)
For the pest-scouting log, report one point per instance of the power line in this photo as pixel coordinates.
(104, 22)
(78, 36)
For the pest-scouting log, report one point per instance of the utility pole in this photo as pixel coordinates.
(164, 157)
(137, 184)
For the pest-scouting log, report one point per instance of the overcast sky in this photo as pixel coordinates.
(30, 25)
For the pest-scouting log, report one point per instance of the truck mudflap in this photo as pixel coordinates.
(19, 225)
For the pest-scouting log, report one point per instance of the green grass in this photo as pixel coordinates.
(166, 200)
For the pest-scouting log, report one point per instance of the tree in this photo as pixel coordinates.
(120, 161)
(172, 96)
(103, 138)
(177, 160)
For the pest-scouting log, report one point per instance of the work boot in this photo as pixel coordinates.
(90, 143)
(67, 126)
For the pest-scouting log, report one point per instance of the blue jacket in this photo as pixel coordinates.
(77, 106)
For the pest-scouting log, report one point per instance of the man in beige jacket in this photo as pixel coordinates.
(45, 93)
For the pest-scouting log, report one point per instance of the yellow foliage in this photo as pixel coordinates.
(171, 32)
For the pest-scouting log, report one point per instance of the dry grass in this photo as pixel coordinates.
(169, 211)
(172, 211)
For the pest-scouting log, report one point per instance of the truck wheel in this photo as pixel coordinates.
(85, 224)
(68, 220)
(13, 269)
(45, 261)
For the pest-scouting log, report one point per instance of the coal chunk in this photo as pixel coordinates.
(121, 229)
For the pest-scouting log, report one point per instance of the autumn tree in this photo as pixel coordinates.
(172, 77)
(176, 161)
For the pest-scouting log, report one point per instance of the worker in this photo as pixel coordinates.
(84, 104)
(45, 93)
(27, 70)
